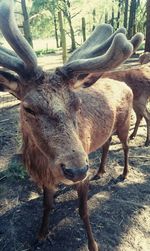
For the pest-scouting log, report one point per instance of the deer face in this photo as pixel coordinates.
(49, 114)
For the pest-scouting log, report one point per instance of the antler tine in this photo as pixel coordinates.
(100, 34)
(136, 40)
(97, 44)
(7, 51)
(13, 35)
(11, 61)
(119, 51)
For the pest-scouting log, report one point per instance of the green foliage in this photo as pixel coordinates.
(42, 13)
(44, 52)
(142, 47)
(41, 25)
(41, 18)
(16, 170)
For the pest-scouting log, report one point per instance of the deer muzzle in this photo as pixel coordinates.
(75, 174)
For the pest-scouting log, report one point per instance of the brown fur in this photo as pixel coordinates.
(138, 79)
(144, 58)
(52, 138)
(61, 126)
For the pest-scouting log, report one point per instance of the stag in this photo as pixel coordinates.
(138, 79)
(144, 58)
(61, 125)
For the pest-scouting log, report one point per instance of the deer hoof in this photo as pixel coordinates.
(96, 177)
(94, 246)
(122, 177)
(131, 137)
(43, 235)
(147, 143)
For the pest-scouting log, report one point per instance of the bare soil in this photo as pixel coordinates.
(119, 211)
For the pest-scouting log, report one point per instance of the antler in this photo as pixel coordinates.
(10, 60)
(119, 51)
(136, 40)
(97, 44)
(17, 41)
(99, 55)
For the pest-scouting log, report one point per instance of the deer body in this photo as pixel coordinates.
(144, 58)
(138, 79)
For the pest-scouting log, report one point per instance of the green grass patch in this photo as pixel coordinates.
(44, 52)
(142, 47)
(15, 170)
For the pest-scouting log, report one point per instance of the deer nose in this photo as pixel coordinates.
(75, 174)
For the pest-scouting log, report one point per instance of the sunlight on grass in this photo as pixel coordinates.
(33, 196)
(9, 104)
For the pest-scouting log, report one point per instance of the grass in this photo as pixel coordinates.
(15, 170)
(43, 52)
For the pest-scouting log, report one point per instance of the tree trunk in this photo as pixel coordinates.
(67, 14)
(63, 37)
(94, 19)
(26, 24)
(106, 17)
(126, 13)
(83, 29)
(119, 12)
(56, 31)
(131, 27)
(147, 43)
(73, 42)
(113, 15)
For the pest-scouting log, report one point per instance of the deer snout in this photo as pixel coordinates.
(75, 174)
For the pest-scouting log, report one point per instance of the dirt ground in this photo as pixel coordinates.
(119, 211)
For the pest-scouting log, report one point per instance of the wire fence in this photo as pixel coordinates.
(8, 123)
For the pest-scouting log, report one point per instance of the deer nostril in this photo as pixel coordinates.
(69, 172)
(62, 165)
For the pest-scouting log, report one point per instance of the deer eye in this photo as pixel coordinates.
(29, 110)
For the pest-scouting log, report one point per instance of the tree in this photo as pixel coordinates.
(63, 36)
(26, 24)
(83, 29)
(119, 12)
(64, 6)
(126, 7)
(132, 17)
(51, 7)
(147, 43)
(131, 26)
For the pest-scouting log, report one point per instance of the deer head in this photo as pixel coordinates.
(49, 104)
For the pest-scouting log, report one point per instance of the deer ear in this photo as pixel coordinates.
(10, 83)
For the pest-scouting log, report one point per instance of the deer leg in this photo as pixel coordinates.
(101, 170)
(82, 190)
(126, 151)
(147, 119)
(48, 195)
(123, 136)
(138, 120)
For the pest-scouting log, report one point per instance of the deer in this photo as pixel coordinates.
(62, 123)
(138, 79)
(144, 58)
